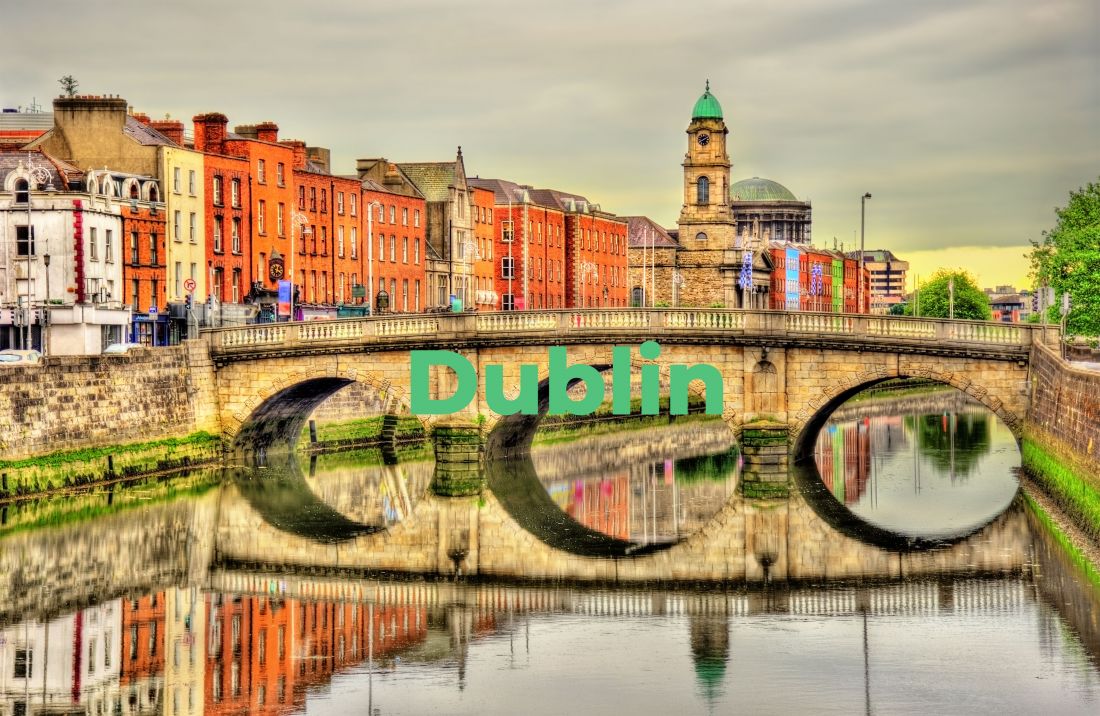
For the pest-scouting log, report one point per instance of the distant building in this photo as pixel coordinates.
(887, 274)
(769, 209)
(1009, 305)
(17, 128)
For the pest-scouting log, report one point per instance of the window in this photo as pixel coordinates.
(416, 217)
(301, 197)
(24, 663)
(381, 247)
(701, 236)
(280, 174)
(508, 302)
(235, 192)
(354, 242)
(416, 295)
(134, 248)
(22, 192)
(216, 189)
(261, 171)
(405, 294)
(218, 234)
(192, 226)
(393, 214)
(191, 182)
(351, 200)
(340, 203)
(507, 232)
(135, 293)
(93, 246)
(340, 241)
(313, 198)
(381, 214)
(236, 296)
(153, 249)
(108, 248)
(404, 216)
(507, 267)
(416, 250)
(219, 281)
(176, 179)
(236, 237)
(280, 219)
(393, 248)
(176, 225)
(405, 249)
(324, 241)
(154, 296)
(324, 201)
(179, 279)
(24, 240)
(261, 211)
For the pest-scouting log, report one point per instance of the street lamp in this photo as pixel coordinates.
(862, 222)
(370, 253)
(46, 312)
(301, 221)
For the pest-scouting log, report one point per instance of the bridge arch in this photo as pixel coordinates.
(275, 414)
(806, 424)
(512, 434)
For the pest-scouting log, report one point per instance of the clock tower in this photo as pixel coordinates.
(706, 220)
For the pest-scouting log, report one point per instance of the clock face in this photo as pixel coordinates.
(276, 271)
(703, 139)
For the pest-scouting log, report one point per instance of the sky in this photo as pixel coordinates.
(968, 122)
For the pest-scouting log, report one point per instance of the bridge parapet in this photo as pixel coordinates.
(992, 339)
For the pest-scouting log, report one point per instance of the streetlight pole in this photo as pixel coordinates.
(46, 311)
(370, 255)
(862, 224)
(301, 220)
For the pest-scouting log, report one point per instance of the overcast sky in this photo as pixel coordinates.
(967, 121)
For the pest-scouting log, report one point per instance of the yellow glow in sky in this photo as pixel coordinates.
(991, 265)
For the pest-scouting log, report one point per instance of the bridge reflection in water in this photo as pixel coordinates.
(249, 594)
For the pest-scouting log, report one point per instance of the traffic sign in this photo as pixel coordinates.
(189, 285)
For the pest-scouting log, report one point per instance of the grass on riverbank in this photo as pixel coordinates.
(361, 430)
(1073, 491)
(1079, 558)
(62, 457)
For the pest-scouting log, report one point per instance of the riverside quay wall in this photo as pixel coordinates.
(1064, 410)
(72, 402)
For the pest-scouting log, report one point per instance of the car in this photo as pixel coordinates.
(120, 348)
(17, 357)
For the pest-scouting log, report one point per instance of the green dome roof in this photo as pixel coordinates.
(757, 189)
(707, 107)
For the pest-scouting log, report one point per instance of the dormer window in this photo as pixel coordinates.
(22, 191)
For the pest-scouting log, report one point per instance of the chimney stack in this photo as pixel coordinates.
(171, 128)
(210, 131)
(299, 148)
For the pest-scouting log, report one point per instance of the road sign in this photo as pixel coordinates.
(152, 313)
(189, 285)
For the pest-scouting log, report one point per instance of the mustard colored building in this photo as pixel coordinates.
(182, 179)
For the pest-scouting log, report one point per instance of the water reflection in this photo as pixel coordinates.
(657, 490)
(929, 467)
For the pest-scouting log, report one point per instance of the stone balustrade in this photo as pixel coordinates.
(661, 324)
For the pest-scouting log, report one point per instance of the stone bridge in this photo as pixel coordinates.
(786, 369)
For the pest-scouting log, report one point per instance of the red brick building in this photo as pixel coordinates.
(483, 295)
(142, 638)
(397, 246)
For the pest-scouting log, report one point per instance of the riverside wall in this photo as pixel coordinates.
(1064, 411)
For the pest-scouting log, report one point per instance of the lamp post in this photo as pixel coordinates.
(46, 311)
(302, 221)
(862, 222)
(370, 254)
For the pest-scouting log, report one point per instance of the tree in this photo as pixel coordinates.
(1067, 259)
(68, 85)
(934, 300)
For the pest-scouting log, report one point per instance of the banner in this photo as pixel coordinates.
(284, 298)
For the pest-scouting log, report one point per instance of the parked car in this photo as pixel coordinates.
(14, 357)
(120, 348)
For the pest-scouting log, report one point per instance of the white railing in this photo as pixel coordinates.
(648, 322)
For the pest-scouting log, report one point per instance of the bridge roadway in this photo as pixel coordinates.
(791, 368)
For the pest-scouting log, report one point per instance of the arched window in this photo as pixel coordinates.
(22, 191)
(701, 236)
(703, 191)
(153, 194)
(134, 190)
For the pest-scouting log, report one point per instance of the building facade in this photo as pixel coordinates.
(886, 275)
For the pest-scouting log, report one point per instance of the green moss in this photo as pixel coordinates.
(1082, 562)
(362, 430)
(63, 457)
(1072, 490)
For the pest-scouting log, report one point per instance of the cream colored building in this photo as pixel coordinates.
(182, 179)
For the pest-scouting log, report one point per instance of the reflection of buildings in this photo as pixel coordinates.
(184, 638)
(843, 456)
(142, 674)
(70, 664)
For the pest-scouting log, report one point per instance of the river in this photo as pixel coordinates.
(904, 572)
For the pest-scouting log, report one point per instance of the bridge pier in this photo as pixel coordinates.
(459, 449)
(765, 450)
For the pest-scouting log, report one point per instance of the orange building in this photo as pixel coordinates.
(326, 262)
(597, 266)
(142, 638)
(144, 271)
(394, 239)
(228, 223)
(483, 297)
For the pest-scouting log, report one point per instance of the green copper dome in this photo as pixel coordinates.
(757, 189)
(707, 107)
